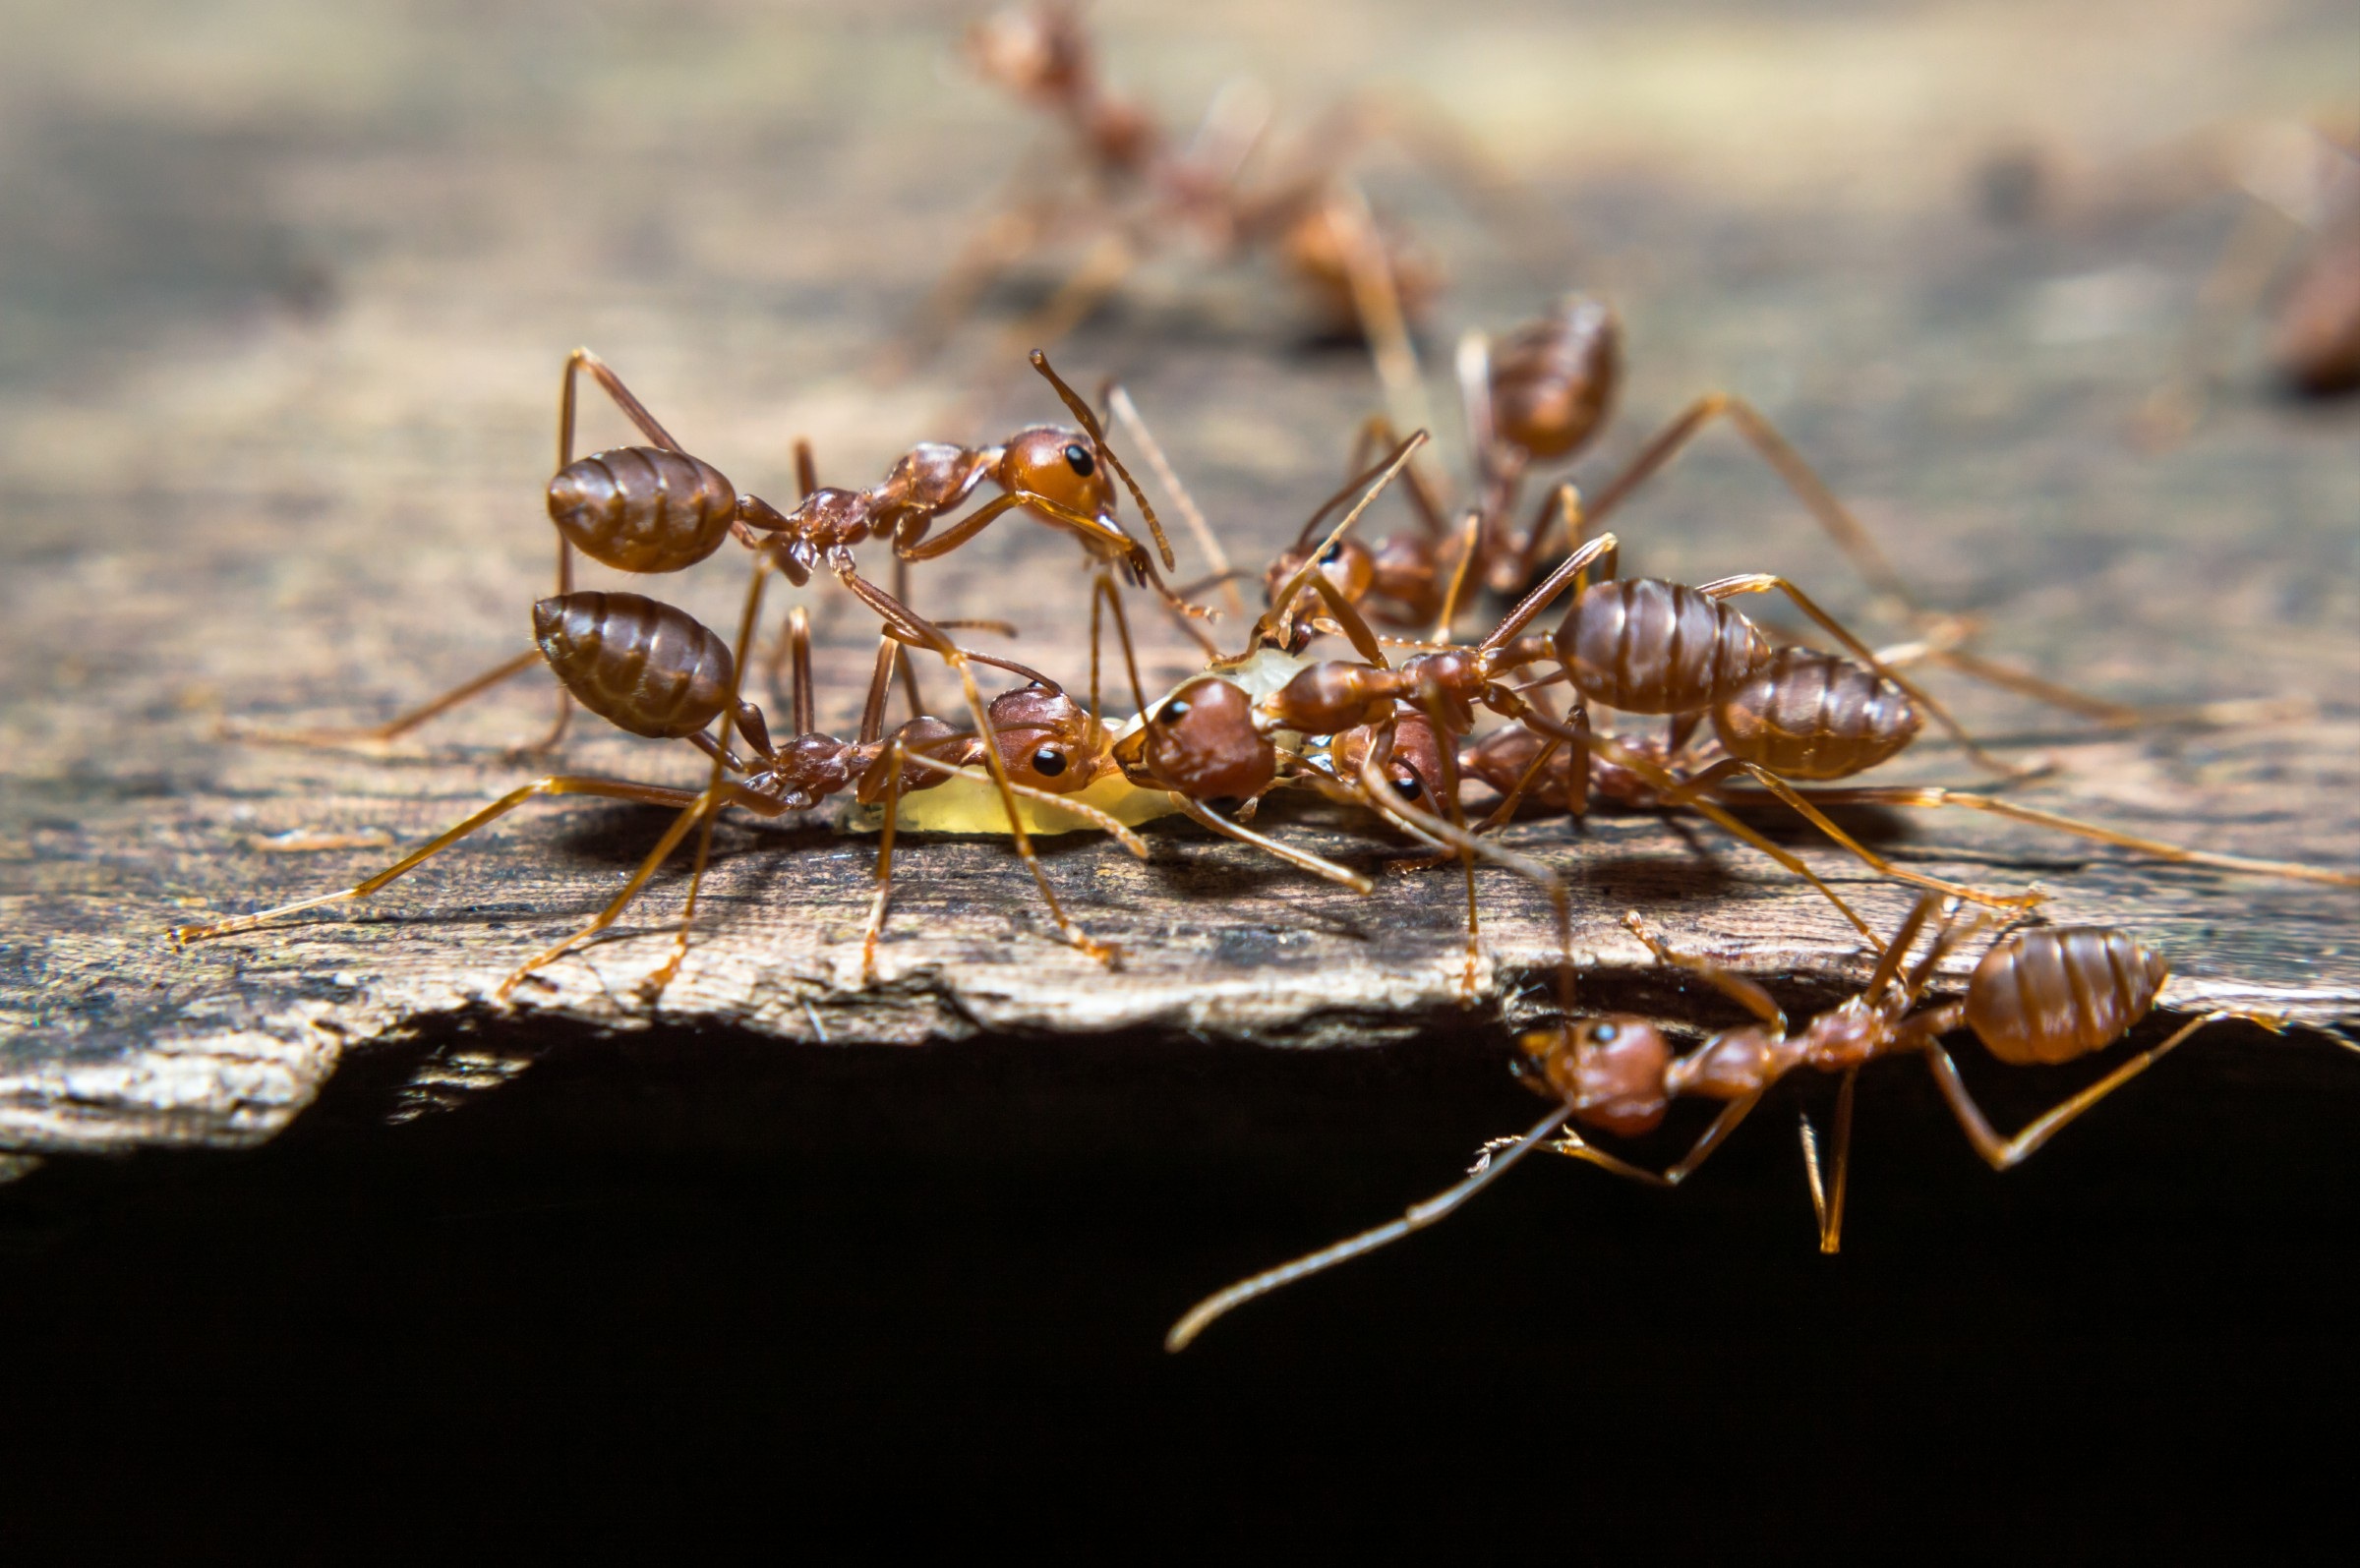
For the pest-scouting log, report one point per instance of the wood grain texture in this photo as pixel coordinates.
(276, 380)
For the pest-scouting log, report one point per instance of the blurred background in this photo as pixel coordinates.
(285, 289)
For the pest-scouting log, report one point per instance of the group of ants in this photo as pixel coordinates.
(1389, 733)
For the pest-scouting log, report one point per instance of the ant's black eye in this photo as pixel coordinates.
(1331, 553)
(1174, 711)
(1078, 458)
(1048, 762)
(1407, 786)
(1603, 1033)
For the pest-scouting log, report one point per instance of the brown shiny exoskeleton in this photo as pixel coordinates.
(1143, 191)
(2039, 995)
(1536, 398)
(655, 671)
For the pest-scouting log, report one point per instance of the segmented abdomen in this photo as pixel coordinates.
(2052, 993)
(1810, 714)
(640, 665)
(642, 508)
(1651, 646)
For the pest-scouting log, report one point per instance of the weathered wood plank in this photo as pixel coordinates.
(292, 476)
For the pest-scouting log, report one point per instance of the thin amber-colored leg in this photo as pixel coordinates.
(1573, 1145)
(1688, 794)
(1857, 542)
(392, 728)
(2002, 1153)
(1731, 984)
(1126, 412)
(904, 622)
(1606, 746)
(1418, 1217)
(1827, 1202)
(711, 803)
(1282, 600)
(1934, 796)
(895, 756)
(556, 784)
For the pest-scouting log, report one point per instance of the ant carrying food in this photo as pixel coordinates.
(2043, 994)
(654, 671)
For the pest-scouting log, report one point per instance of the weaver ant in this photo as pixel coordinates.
(657, 508)
(654, 671)
(2042, 994)
(1142, 190)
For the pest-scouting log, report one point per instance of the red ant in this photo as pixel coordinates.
(2039, 995)
(654, 671)
(1143, 190)
(657, 508)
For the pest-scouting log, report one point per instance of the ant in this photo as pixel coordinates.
(1144, 189)
(1538, 398)
(654, 671)
(657, 508)
(2042, 994)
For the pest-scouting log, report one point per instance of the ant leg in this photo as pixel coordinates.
(795, 648)
(556, 785)
(880, 687)
(581, 359)
(1828, 1202)
(1203, 816)
(1687, 793)
(393, 727)
(1573, 1145)
(1376, 302)
(2002, 1153)
(901, 620)
(1731, 984)
(1119, 404)
(896, 755)
(710, 804)
(1867, 558)
(1379, 796)
(1764, 582)
(1602, 552)
(906, 665)
(1462, 572)
(1417, 1218)
(2112, 714)
(1934, 796)
(1605, 747)
(1283, 598)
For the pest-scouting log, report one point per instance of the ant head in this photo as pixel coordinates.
(1554, 380)
(1044, 738)
(1415, 769)
(1060, 465)
(1347, 563)
(1201, 742)
(1610, 1068)
(1318, 249)
(1038, 52)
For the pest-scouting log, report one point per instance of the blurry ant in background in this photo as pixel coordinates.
(2042, 995)
(1141, 191)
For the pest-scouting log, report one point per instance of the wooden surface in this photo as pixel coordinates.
(277, 360)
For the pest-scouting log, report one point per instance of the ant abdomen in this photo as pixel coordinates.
(1809, 714)
(2049, 994)
(639, 664)
(1553, 381)
(642, 508)
(1646, 646)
